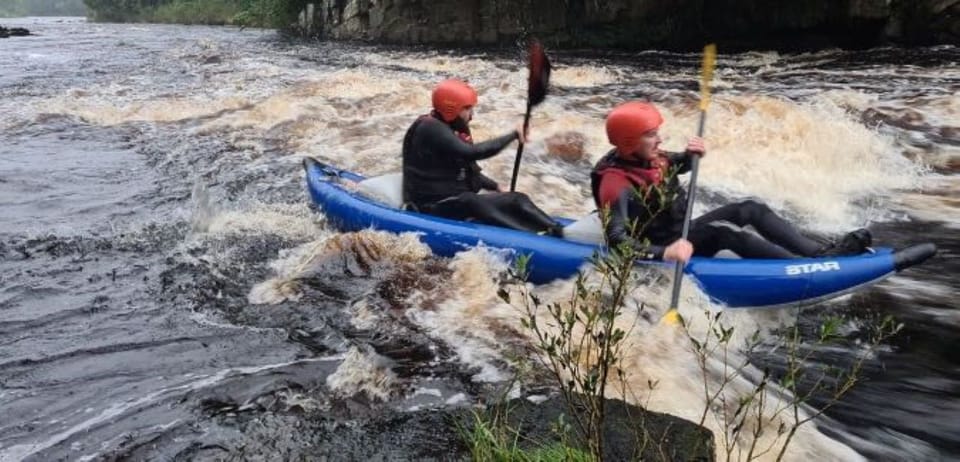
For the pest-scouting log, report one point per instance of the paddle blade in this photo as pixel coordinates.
(671, 317)
(539, 81)
(706, 74)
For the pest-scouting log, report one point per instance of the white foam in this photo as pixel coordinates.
(363, 371)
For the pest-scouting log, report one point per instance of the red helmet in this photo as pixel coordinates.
(452, 96)
(627, 122)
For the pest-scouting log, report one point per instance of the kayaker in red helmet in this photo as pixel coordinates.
(638, 183)
(440, 172)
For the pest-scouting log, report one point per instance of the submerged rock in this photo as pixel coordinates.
(568, 145)
(953, 165)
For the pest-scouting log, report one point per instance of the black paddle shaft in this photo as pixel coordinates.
(691, 196)
(516, 162)
(537, 83)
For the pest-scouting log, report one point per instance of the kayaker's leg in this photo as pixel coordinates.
(484, 208)
(708, 239)
(453, 208)
(853, 243)
(767, 223)
(522, 208)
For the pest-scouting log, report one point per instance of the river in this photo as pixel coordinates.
(166, 291)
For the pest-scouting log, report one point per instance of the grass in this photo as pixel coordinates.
(490, 439)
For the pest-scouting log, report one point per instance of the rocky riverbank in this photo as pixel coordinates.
(641, 24)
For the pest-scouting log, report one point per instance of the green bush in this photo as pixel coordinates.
(254, 13)
(214, 12)
(9, 8)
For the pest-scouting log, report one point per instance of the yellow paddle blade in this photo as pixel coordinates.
(672, 317)
(706, 74)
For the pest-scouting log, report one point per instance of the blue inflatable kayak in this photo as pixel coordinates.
(733, 282)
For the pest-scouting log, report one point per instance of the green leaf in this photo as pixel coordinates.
(727, 334)
(829, 329)
(504, 295)
(696, 344)
(788, 383)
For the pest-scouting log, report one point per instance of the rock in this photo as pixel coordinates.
(640, 24)
(426, 434)
(671, 438)
(245, 422)
(950, 133)
(953, 164)
(925, 22)
(905, 118)
(13, 32)
(568, 145)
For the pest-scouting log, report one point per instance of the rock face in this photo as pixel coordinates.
(640, 24)
(926, 21)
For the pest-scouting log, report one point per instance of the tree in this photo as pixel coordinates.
(42, 8)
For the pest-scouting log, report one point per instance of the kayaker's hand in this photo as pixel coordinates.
(521, 135)
(681, 250)
(696, 146)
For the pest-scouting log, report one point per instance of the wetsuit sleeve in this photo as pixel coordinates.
(486, 182)
(618, 228)
(444, 140)
(683, 161)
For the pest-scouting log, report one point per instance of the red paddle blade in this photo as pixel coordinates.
(539, 74)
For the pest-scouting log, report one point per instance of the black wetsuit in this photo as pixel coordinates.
(441, 177)
(624, 187)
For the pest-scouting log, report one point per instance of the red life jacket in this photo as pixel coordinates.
(659, 215)
(613, 174)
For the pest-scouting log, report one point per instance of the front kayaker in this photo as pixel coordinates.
(637, 183)
(440, 172)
